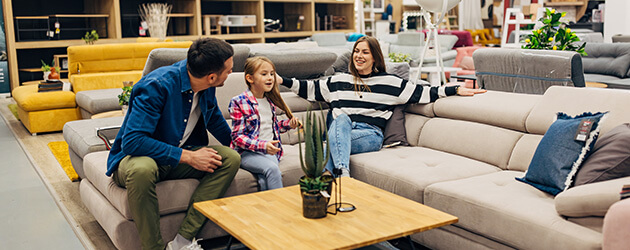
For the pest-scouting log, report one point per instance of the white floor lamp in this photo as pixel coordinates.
(434, 6)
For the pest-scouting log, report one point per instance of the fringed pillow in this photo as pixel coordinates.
(562, 150)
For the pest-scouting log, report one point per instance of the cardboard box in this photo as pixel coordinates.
(531, 9)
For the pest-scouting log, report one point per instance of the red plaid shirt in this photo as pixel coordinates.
(246, 124)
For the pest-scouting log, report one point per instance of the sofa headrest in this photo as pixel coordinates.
(300, 63)
(330, 39)
(167, 56)
(527, 71)
(410, 39)
(234, 85)
(607, 59)
(575, 101)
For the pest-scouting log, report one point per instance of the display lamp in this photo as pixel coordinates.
(434, 6)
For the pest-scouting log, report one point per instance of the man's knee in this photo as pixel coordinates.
(141, 169)
(229, 157)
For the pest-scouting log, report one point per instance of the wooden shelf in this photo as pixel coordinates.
(288, 34)
(335, 1)
(34, 70)
(557, 4)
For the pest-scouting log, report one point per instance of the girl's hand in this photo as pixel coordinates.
(295, 122)
(271, 147)
(469, 92)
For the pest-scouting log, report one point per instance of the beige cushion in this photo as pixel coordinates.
(413, 127)
(507, 110)
(511, 212)
(467, 63)
(407, 171)
(523, 152)
(592, 199)
(477, 141)
(574, 101)
(234, 85)
(421, 109)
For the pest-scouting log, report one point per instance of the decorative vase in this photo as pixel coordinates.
(314, 205)
(124, 109)
(53, 74)
(46, 74)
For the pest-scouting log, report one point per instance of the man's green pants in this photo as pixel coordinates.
(139, 174)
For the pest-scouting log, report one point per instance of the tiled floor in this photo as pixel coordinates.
(29, 217)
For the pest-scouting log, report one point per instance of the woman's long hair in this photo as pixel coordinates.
(252, 65)
(378, 66)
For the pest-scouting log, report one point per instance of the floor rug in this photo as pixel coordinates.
(60, 151)
(13, 108)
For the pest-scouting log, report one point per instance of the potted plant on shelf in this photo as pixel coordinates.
(554, 35)
(123, 98)
(90, 37)
(50, 71)
(314, 186)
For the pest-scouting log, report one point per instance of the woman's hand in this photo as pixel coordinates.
(463, 91)
(271, 147)
(295, 122)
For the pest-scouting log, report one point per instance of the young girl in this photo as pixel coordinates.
(255, 127)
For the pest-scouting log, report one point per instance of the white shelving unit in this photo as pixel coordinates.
(367, 18)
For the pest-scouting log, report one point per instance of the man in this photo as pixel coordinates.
(163, 137)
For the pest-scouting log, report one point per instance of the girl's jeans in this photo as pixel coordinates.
(346, 138)
(265, 166)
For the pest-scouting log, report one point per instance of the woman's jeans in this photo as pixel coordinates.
(265, 166)
(346, 138)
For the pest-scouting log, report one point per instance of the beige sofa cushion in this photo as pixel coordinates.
(592, 199)
(574, 101)
(523, 152)
(470, 139)
(407, 171)
(512, 212)
(502, 109)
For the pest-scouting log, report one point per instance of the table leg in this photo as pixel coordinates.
(410, 242)
(229, 244)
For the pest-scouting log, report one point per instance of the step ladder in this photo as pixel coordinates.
(517, 22)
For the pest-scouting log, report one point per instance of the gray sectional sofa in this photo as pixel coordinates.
(465, 153)
(608, 63)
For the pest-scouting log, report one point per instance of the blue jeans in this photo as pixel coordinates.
(346, 138)
(265, 167)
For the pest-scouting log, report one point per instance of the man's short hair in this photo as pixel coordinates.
(207, 56)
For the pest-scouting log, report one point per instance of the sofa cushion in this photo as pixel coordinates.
(561, 152)
(330, 39)
(29, 99)
(407, 171)
(166, 56)
(292, 63)
(607, 58)
(610, 158)
(99, 100)
(106, 80)
(592, 199)
(394, 133)
(510, 212)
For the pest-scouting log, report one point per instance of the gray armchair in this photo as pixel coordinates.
(608, 63)
(527, 71)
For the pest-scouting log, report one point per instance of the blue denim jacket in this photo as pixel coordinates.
(159, 107)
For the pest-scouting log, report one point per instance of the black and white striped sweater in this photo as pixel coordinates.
(374, 107)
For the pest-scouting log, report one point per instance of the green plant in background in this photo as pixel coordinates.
(90, 37)
(314, 159)
(554, 35)
(367, 3)
(46, 67)
(123, 98)
(399, 57)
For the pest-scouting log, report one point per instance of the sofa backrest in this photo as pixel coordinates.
(99, 58)
(166, 56)
(527, 71)
(504, 129)
(607, 59)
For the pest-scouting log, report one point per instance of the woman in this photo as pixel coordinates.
(361, 102)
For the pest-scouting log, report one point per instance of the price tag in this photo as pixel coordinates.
(583, 131)
(57, 25)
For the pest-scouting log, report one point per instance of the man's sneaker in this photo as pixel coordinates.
(192, 246)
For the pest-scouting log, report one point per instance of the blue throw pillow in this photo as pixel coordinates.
(558, 155)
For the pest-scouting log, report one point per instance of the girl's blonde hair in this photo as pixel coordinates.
(378, 66)
(252, 65)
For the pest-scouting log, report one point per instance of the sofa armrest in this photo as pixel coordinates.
(108, 135)
(616, 233)
(593, 199)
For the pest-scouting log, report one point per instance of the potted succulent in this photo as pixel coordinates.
(123, 98)
(314, 186)
(50, 69)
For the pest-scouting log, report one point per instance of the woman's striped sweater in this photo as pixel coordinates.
(373, 107)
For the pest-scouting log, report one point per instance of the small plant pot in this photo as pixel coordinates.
(46, 74)
(314, 205)
(124, 109)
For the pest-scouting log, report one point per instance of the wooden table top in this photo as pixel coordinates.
(273, 219)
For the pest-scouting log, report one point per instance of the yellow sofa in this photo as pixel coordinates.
(91, 67)
(108, 65)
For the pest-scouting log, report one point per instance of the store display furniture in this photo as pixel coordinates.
(608, 63)
(527, 71)
(119, 21)
(44, 111)
(413, 43)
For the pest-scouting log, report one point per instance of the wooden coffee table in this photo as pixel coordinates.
(273, 219)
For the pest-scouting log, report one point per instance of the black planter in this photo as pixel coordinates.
(314, 205)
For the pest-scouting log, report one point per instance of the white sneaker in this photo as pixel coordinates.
(192, 246)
